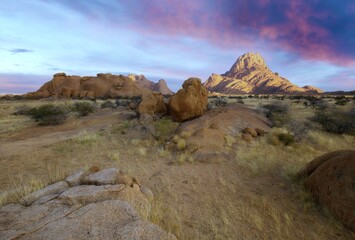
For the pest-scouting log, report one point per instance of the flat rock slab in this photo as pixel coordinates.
(85, 194)
(104, 177)
(97, 211)
(113, 219)
(56, 188)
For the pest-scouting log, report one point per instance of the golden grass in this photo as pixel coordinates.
(253, 196)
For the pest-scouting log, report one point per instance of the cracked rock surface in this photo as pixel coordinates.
(83, 211)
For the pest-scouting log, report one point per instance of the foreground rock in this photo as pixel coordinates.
(210, 136)
(189, 102)
(250, 74)
(116, 207)
(331, 179)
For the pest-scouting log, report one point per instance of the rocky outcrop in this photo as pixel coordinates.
(208, 137)
(189, 102)
(331, 179)
(86, 206)
(250, 74)
(103, 85)
(143, 82)
(152, 104)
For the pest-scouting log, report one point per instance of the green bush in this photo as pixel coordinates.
(277, 113)
(84, 108)
(286, 138)
(24, 110)
(108, 104)
(48, 114)
(336, 121)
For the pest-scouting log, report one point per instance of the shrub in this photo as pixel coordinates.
(336, 121)
(286, 138)
(108, 104)
(84, 108)
(24, 110)
(342, 101)
(280, 136)
(49, 114)
(277, 113)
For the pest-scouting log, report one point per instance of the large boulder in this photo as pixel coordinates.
(208, 137)
(152, 104)
(189, 102)
(76, 209)
(331, 180)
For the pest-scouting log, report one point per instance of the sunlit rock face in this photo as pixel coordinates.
(250, 74)
(101, 85)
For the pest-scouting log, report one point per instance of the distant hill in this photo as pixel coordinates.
(337, 93)
(250, 74)
(142, 81)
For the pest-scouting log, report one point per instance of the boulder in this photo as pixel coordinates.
(189, 102)
(260, 132)
(250, 131)
(247, 137)
(208, 135)
(108, 211)
(331, 178)
(59, 74)
(152, 104)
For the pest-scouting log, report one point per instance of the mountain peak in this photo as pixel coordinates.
(250, 74)
(247, 62)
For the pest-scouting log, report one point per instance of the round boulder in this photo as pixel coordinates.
(331, 180)
(152, 104)
(189, 102)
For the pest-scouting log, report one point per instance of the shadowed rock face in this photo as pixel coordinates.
(250, 74)
(103, 85)
(160, 86)
(331, 179)
(102, 205)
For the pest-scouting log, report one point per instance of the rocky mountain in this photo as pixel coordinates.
(101, 85)
(250, 74)
(142, 81)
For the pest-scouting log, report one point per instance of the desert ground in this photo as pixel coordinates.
(252, 192)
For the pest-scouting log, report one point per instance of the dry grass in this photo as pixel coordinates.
(251, 196)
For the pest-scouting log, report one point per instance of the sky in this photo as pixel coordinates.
(310, 42)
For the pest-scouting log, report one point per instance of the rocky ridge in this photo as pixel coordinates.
(101, 85)
(88, 205)
(250, 74)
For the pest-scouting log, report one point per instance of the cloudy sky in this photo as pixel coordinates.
(310, 42)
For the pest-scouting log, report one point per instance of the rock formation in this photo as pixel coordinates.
(331, 179)
(103, 85)
(208, 135)
(189, 102)
(103, 205)
(250, 74)
(160, 86)
(152, 104)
